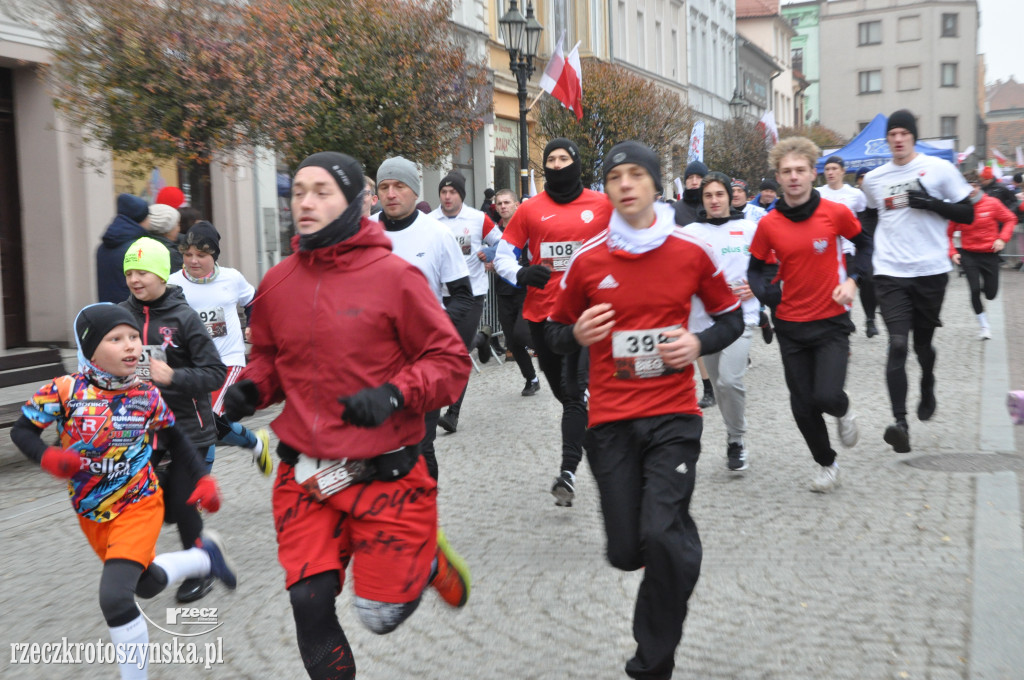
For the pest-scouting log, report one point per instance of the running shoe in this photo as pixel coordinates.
(897, 436)
(767, 333)
(263, 459)
(532, 388)
(826, 479)
(736, 456)
(1015, 405)
(848, 432)
(221, 566)
(985, 333)
(192, 589)
(449, 422)
(451, 577)
(708, 400)
(564, 489)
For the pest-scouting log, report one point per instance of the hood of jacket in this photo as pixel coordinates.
(123, 230)
(366, 246)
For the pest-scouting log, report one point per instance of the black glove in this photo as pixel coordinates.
(536, 275)
(371, 406)
(920, 199)
(240, 400)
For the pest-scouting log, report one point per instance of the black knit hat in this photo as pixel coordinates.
(455, 180)
(695, 168)
(720, 177)
(345, 170)
(634, 152)
(837, 159)
(205, 237)
(562, 143)
(770, 185)
(134, 208)
(95, 321)
(902, 119)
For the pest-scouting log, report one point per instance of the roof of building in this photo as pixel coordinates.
(748, 9)
(1008, 94)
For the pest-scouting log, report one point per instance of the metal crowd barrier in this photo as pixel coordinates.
(490, 318)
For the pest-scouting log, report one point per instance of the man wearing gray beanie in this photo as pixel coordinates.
(913, 198)
(427, 244)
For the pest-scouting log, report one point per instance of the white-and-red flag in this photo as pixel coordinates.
(768, 128)
(1003, 160)
(563, 79)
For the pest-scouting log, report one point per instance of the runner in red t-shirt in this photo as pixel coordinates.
(810, 299)
(552, 226)
(645, 425)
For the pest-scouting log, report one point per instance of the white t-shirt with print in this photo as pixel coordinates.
(910, 242)
(730, 246)
(471, 229)
(430, 247)
(216, 303)
(853, 198)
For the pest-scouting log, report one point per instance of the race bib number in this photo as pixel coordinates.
(896, 194)
(215, 321)
(324, 478)
(555, 255)
(636, 353)
(149, 352)
(465, 243)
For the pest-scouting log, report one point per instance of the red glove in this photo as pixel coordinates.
(206, 495)
(61, 462)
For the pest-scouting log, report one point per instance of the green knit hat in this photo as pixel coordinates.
(148, 255)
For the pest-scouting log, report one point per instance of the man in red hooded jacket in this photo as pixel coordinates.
(357, 364)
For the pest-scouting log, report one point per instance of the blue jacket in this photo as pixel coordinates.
(110, 283)
(757, 202)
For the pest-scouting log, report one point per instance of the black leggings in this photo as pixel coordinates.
(467, 331)
(517, 333)
(120, 582)
(982, 272)
(567, 377)
(178, 486)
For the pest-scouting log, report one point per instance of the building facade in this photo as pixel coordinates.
(806, 51)
(760, 22)
(914, 54)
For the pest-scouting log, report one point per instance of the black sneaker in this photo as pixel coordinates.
(192, 589)
(766, 328)
(496, 346)
(737, 457)
(708, 400)
(564, 489)
(897, 436)
(870, 329)
(532, 388)
(449, 422)
(482, 344)
(221, 566)
(926, 407)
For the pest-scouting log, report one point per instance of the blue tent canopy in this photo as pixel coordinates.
(870, 150)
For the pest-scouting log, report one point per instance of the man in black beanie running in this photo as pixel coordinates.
(552, 226)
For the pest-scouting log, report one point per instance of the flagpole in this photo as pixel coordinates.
(535, 100)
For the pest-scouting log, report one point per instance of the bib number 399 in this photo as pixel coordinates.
(636, 353)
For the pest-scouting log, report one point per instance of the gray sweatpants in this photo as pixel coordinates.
(726, 370)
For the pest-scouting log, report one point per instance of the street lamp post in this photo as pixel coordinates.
(522, 38)
(738, 105)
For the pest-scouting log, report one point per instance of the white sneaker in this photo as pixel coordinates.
(985, 333)
(826, 479)
(848, 432)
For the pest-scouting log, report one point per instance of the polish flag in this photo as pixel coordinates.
(1003, 160)
(1020, 158)
(563, 79)
(768, 128)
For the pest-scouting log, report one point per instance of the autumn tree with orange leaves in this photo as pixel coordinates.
(193, 79)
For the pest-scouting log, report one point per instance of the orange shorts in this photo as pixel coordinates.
(132, 534)
(387, 529)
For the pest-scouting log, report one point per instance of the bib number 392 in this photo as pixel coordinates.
(215, 321)
(636, 353)
(555, 255)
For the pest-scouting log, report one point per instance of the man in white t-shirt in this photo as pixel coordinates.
(471, 229)
(837, 190)
(914, 197)
(420, 240)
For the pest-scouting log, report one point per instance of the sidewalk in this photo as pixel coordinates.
(908, 571)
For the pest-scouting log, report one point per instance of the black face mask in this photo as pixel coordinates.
(692, 196)
(343, 228)
(564, 185)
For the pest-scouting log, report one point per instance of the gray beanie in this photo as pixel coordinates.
(401, 169)
(162, 219)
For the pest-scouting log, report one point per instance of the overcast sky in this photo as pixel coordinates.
(999, 38)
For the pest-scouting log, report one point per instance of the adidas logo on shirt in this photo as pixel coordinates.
(608, 282)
